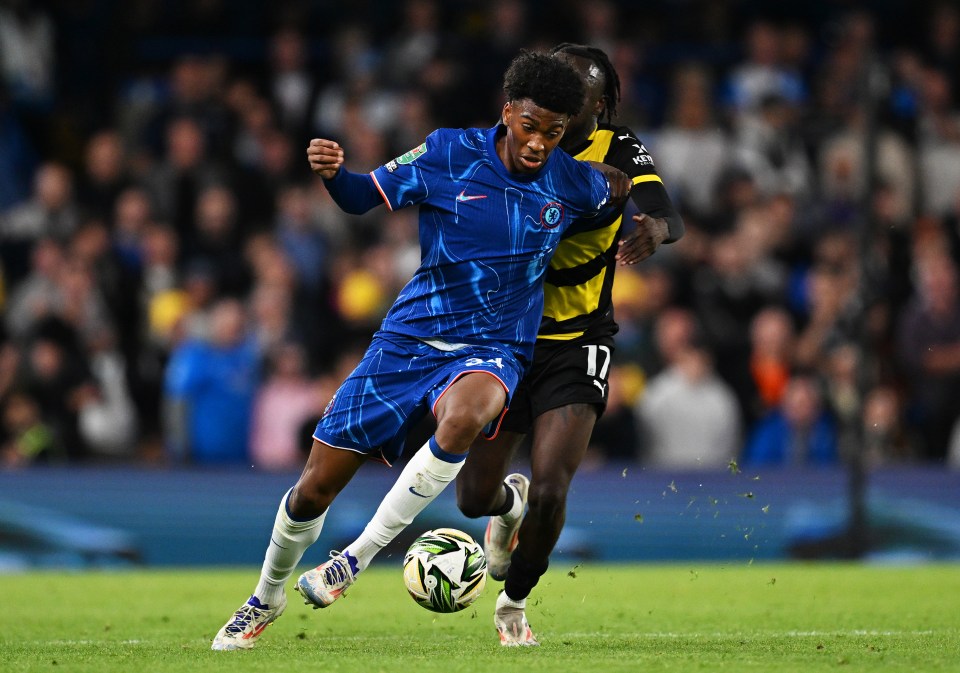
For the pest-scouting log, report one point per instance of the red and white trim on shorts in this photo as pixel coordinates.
(506, 390)
(377, 455)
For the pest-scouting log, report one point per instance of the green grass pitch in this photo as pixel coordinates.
(598, 618)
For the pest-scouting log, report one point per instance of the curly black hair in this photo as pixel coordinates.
(611, 81)
(548, 82)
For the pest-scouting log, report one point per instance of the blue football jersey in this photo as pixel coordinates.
(486, 236)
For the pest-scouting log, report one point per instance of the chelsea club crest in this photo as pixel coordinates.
(551, 215)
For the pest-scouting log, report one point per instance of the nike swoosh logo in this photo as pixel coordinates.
(419, 495)
(463, 197)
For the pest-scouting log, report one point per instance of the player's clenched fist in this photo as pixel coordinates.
(325, 157)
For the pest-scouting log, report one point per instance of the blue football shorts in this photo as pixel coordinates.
(397, 382)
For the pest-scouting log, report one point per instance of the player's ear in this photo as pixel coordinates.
(507, 113)
(599, 107)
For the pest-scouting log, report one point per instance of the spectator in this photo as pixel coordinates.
(36, 295)
(886, 438)
(286, 400)
(943, 46)
(108, 423)
(769, 146)
(272, 318)
(209, 392)
(689, 417)
(841, 169)
(771, 356)
(51, 211)
(217, 241)
(55, 373)
(415, 44)
(194, 92)
(104, 176)
(129, 220)
(290, 82)
(929, 350)
(800, 432)
(27, 439)
(762, 74)
(740, 280)
(938, 142)
(827, 290)
(301, 240)
(692, 149)
(176, 182)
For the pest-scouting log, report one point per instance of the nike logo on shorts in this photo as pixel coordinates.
(419, 495)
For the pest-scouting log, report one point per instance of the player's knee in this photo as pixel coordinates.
(472, 504)
(472, 498)
(470, 509)
(547, 502)
(459, 427)
(309, 501)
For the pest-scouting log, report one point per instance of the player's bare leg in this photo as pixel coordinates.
(483, 490)
(561, 437)
(480, 487)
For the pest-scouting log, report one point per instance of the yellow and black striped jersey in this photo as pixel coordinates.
(579, 281)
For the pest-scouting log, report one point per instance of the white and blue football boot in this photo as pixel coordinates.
(327, 582)
(247, 624)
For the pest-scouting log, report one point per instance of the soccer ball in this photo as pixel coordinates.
(445, 570)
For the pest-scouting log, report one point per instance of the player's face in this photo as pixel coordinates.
(585, 121)
(532, 134)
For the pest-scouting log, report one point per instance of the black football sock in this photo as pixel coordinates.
(510, 496)
(522, 577)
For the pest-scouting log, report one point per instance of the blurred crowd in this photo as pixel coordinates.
(177, 286)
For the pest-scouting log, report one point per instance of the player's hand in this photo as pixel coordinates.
(325, 157)
(619, 181)
(620, 186)
(650, 233)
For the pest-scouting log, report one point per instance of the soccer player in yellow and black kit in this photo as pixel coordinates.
(565, 390)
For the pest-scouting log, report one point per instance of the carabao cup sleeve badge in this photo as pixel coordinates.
(551, 215)
(411, 156)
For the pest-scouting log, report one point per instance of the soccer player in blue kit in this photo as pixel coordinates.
(493, 205)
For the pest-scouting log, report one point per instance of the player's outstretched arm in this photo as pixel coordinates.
(355, 193)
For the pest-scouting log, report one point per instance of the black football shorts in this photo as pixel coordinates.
(563, 372)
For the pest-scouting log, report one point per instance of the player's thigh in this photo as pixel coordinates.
(560, 440)
(568, 394)
(477, 395)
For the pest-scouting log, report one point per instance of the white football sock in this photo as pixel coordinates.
(427, 473)
(504, 601)
(288, 542)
